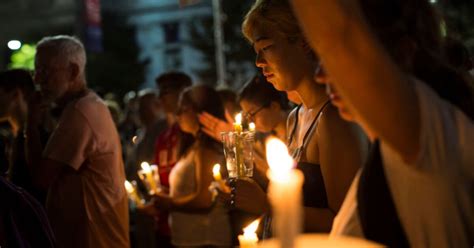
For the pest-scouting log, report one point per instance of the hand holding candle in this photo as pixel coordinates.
(149, 175)
(216, 171)
(284, 192)
(249, 238)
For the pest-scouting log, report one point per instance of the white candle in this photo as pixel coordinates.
(133, 194)
(284, 193)
(249, 238)
(149, 175)
(238, 123)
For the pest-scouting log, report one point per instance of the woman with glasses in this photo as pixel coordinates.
(327, 149)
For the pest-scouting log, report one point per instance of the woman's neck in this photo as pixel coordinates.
(312, 94)
(280, 128)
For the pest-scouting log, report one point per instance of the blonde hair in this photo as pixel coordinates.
(271, 14)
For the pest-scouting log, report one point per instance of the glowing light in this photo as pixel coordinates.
(14, 44)
(216, 171)
(145, 167)
(129, 187)
(278, 159)
(251, 126)
(252, 228)
(238, 118)
(249, 239)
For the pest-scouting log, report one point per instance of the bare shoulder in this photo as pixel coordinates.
(207, 155)
(332, 125)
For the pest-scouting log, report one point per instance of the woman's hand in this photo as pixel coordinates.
(248, 196)
(162, 201)
(148, 209)
(213, 126)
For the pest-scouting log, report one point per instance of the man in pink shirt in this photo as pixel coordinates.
(81, 163)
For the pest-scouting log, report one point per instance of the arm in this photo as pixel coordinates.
(343, 149)
(376, 91)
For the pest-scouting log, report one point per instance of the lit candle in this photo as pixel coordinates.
(216, 171)
(284, 192)
(238, 145)
(249, 238)
(132, 193)
(238, 123)
(149, 175)
(252, 127)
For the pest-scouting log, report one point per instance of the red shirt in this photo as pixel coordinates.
(166, 150)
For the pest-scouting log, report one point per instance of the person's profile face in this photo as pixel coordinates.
(284, 63)
(52, 76)
(169, 99)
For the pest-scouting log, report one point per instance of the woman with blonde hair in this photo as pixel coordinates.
(328, 149)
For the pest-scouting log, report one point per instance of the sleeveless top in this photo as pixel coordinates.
(210, 227)
(377, 214)
(314, 191)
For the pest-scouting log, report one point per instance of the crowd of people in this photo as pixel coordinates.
(374, 104)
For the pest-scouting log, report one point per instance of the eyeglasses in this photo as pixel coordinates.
(251, 115)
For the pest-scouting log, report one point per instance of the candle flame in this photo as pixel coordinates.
(145, 166)
(238, 118)
(252, 228)
(278, 159)
(128, 186)
(252, 126)
(216, 169)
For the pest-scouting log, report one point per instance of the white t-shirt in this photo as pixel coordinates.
(87, 204)
(434, 196)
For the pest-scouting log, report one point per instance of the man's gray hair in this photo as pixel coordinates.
(64, 48)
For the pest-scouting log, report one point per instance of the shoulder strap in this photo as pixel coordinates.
(313, 127)
(290, 138)
(297, 153)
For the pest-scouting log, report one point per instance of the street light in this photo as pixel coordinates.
(14, 44)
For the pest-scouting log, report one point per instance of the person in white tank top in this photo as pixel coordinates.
(196, 220)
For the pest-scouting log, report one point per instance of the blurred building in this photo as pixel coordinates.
(163, 33)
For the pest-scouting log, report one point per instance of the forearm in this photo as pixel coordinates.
(191, 203)
(318, 219)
